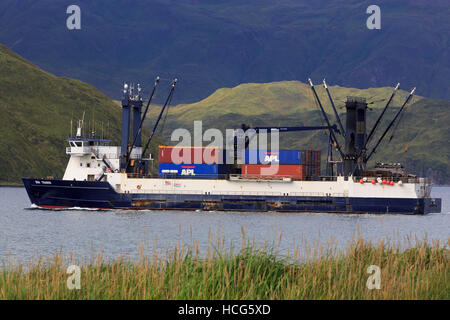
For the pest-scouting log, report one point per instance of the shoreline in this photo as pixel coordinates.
(11, 185)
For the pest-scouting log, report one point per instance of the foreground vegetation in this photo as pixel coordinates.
(421, 272)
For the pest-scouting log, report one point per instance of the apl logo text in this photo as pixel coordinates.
(187, 172)
(271, 158)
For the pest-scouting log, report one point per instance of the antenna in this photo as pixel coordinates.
(80, 126)
(93, 121)
(71, 124)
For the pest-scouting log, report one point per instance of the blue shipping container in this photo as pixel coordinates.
(196, 170)
(254, 156)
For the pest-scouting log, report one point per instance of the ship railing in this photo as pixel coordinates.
(280, 177)
(320, 178)
(91, 149)
(107, 155)
(395, 179)
(166, 191)
(77, 150)
(238, 193)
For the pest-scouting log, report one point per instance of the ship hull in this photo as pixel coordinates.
(100, 195)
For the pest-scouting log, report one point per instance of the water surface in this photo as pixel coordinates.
(26, 233)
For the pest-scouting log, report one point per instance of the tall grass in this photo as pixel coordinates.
(252, 272)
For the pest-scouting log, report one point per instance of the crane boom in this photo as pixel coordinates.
(333, 136)
(334, 108)
(391, 123)
(169, 97)
(290, 129)
(381, 115)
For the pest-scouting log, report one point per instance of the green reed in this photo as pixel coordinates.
(309, 271)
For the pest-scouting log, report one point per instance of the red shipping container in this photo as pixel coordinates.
(188, 155)
(277, 171)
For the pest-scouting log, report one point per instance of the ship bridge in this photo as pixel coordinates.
(101, 148)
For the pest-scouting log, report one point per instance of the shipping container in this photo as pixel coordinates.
(311, 163)
(254, 156)
(195, 170)
(274, 171)
(187, 155)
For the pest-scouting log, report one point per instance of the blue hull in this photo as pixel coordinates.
(100, 195)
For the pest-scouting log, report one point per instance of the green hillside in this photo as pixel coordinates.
(222, 43)
(36, 109)
(420, 140)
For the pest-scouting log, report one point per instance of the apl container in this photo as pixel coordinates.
(275, 171)
(197, 155)
(172, 170)
(254, 156)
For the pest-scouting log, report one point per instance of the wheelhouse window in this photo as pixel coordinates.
(76, 143)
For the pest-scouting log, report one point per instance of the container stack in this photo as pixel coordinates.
(270, 164)
(294, 164)
(311, 165)
(266, 171)
(191, 162)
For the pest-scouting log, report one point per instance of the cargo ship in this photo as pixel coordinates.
(102, 176)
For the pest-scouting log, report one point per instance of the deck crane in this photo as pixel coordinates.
(332, 135)
(139, 130)
(169, 98)
(391, 124)
(381, 116)
(338, 119)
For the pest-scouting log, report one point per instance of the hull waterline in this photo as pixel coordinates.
(60, 194)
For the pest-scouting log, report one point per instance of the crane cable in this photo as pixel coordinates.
(165, 116)
(399, 120)
(323, 122)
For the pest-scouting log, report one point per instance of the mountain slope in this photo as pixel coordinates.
(420, 140)
(36, 109)
(222, 43)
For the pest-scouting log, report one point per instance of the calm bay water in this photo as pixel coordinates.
(27, 233)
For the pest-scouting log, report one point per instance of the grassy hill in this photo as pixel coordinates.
(420, 140)
(36, 109)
